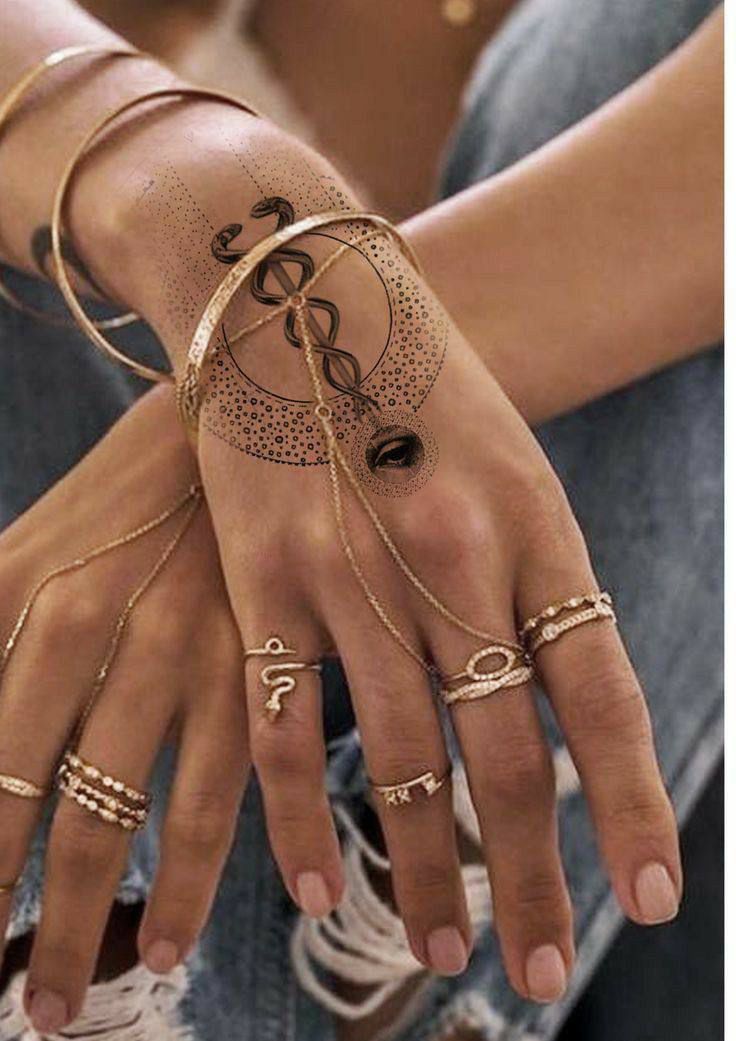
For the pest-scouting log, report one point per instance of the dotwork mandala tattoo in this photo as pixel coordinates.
(374, 402)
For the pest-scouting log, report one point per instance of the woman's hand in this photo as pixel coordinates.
(178, 673)
(472, 505)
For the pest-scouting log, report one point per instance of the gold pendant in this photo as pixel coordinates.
(459, 13)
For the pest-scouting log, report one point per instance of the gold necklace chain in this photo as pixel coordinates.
(191, 499)
(80, 562)
(337, 462)
(194, 498)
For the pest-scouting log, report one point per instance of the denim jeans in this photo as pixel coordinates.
(643, 470)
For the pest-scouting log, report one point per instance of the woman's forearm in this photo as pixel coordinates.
(38, 137)
(597, 259)
(589, 264)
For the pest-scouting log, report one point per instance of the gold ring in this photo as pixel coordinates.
(8, 887)
(564, 615)
(21, 787)
(475, 683)
(402, 793)
(277, 678)
(101, 794)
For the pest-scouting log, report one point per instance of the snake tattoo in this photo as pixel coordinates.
(375, 411)
(341, 368)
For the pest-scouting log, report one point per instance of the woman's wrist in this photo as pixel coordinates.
(144, 214)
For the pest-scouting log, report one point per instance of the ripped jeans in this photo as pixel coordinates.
(643, 469)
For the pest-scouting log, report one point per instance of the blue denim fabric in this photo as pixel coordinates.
(643, 468)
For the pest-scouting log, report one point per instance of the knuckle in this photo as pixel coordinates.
(282, 758)
(610, 705)
(432, 880)
(460, 533)
(80, 844)
(520, 773)
(201, 823)
(62, 617)
(648, 811)
(155, 632)
(540, 895)
(316, 540)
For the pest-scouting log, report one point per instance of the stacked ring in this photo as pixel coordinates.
(476, 683)
(21, 787)
(559, 618)
(101, 794)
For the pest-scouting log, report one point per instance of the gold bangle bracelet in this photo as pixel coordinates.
(8, 104)
(188, 395)
(62, 278)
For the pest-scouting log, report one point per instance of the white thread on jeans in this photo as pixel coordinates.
(137, 1006)
(363, 941)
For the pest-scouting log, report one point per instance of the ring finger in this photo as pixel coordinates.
(511, 781)
(86, 854)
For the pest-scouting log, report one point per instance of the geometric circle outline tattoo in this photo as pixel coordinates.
(264, 424)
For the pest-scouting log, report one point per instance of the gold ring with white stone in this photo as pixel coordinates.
(561, 617)
(514, 669)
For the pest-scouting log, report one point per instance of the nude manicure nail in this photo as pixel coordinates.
(546, 975)
(312, 894)
(49, 1012)
(655, 894)
(447, 952)
(161, 956)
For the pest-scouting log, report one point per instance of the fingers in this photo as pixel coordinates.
(35, 719)
(402, 740)
(288, 751)
(210, 778)
(602, 711)
(86, 855)
(511, 780)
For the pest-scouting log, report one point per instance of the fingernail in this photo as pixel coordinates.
(312, 894)
(49, 1011)
(447, 952)
(655, 894)
(546, 975)
(162, 956)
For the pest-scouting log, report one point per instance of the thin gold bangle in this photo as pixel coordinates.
(188, 392)
(62, 278)
(7, 105)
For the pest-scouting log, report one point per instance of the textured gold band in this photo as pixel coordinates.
(62, 278)
(561, 617)
(8, 105)
(21, 787)
(402, 793)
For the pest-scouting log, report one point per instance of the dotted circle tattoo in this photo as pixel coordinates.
(277, 423)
